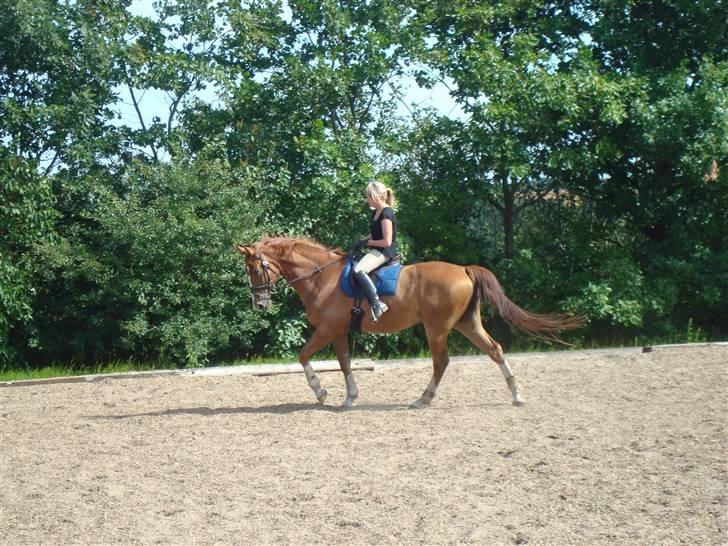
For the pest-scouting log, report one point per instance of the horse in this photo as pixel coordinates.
(440, 295)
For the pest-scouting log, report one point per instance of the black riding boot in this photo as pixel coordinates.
(377, 306)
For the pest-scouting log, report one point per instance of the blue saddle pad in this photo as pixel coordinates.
(385, 279)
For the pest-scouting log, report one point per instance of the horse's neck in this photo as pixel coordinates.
(297, 265)
(311, 271)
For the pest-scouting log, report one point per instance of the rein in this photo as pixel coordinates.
(268, 284)
(316, 271)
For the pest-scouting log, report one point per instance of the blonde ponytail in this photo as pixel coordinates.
(380, 193)
(390, 197)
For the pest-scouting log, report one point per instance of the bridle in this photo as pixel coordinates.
(267, 281)
(268, 284)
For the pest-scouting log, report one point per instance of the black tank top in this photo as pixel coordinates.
(376, 229)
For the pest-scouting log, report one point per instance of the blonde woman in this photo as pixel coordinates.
(382, 243)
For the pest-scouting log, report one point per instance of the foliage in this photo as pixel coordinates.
(588, 170)
(154, 273)
(572, 109)
(26, 214)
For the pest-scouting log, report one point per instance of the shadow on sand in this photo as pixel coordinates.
(277, 409)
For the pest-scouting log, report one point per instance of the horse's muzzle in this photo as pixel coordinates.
(261, 302)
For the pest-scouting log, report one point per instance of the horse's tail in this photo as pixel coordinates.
(488, 289)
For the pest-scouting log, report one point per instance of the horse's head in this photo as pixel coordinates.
(262, 276)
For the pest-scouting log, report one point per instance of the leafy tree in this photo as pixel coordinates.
(439, 201)
(310, 114)
(26, 217)
(174, 51)
(154, 274)
(53, 91)
(666, 180)
(531, 91)
(56, 81)
(615, 108)
(588, 170)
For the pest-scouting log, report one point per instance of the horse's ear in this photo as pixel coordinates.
(247, 251)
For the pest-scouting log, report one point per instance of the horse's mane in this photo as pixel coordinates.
(288, 244)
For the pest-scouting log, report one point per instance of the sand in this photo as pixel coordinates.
(614, 447)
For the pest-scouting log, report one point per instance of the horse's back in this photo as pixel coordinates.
(443, 280)
(439, 273)
(428, 292)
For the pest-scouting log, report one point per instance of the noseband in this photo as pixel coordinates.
(267, 281)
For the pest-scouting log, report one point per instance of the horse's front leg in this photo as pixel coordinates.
(318, 341)
(341, 346)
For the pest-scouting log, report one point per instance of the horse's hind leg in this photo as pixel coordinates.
(472, 328)
(440, 359)
(341, 346)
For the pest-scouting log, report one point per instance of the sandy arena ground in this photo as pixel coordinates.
(612, 447)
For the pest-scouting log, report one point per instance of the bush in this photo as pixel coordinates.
(26, 217)
(152, 272)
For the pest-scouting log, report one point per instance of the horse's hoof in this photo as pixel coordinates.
(419, 403)
(348, 404)
(519, 403)
(322, 396)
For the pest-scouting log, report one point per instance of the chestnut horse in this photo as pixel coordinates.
(440, 295)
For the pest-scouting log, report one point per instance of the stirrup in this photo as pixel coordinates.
(378, 310)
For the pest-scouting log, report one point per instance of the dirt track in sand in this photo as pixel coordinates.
(612, 448)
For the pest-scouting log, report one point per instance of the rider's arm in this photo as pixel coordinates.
(386, 233)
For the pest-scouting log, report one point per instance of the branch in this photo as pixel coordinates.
(352, 106)
(52, 163)
(375, 93)
(336, 122)
(495, 203)
(175, 104)
(540, 194)
(136, 106)
(366, 110)
(396, 94)
(441, 79)
(138, 111)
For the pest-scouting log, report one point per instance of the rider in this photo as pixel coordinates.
(382, 242)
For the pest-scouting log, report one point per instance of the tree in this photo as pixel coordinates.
(310, 114)
(55, 83)
(531, 91)
(667, 180)
(153, 273)
(26, 217)
(174, 51)
(53, 95)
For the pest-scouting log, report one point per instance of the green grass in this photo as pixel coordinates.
(75, 370)
(458, 347)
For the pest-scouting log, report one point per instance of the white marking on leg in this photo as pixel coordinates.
(506, 369)
(313, 381)
(352, 392)
(427, 396)
(512, 383)
(351, 389)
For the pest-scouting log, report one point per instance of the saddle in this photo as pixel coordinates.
(385, 278)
